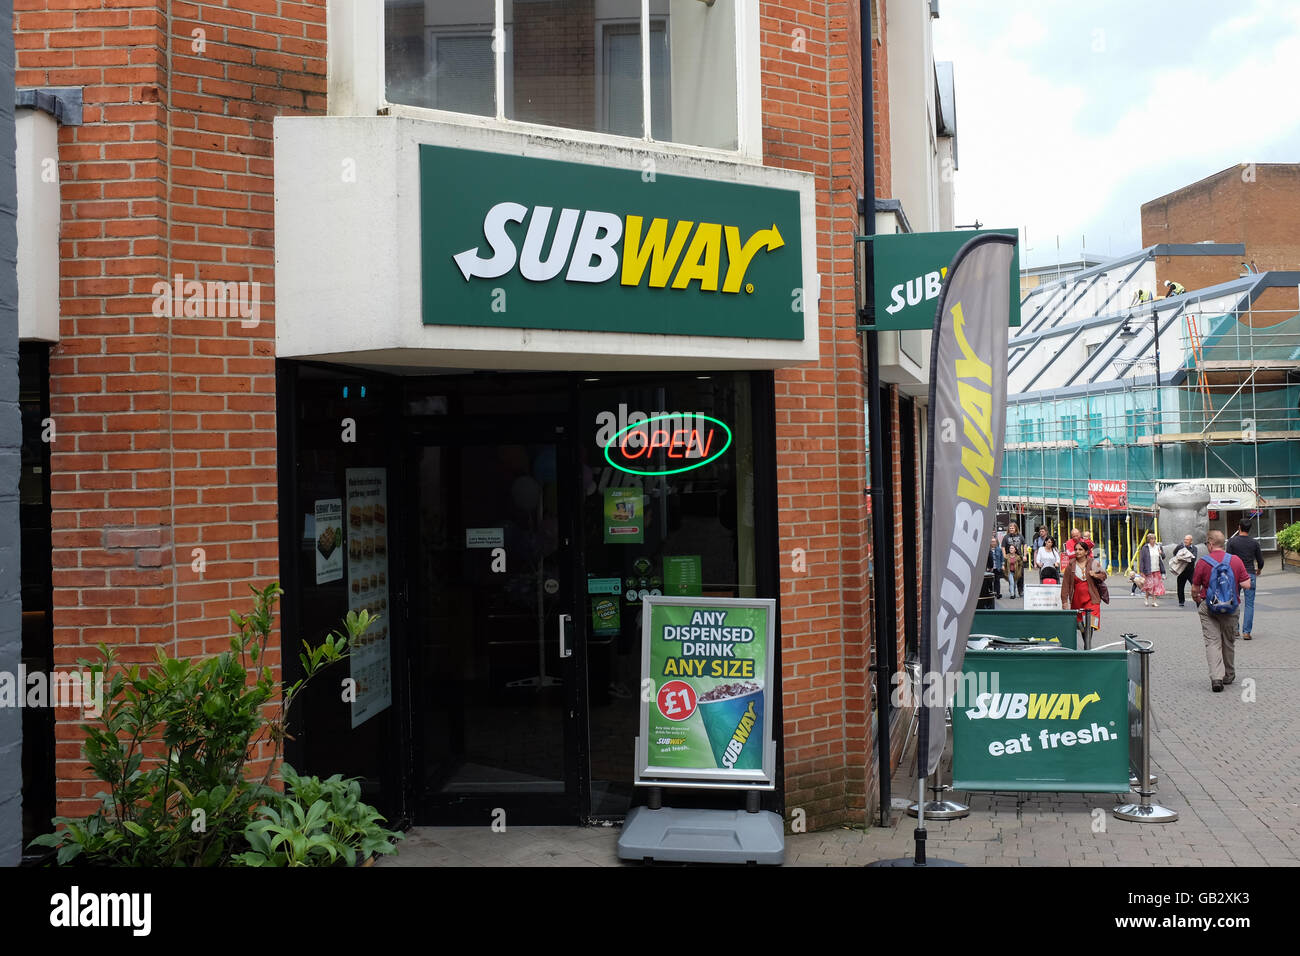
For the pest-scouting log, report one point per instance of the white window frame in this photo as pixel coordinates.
(355, 66)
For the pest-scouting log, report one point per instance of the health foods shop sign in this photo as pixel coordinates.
(517, 242)
(910, 269)
(1038, 720)
(708, 720)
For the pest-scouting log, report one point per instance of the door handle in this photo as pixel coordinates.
(565, 650)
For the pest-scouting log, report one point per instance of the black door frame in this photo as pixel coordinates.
(395, 775)
(526, 809)
(399, 777)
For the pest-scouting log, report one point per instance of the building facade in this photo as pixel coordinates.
(359, 296)
(1117, 391)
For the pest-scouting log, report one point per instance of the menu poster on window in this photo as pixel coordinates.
(367, 524)
(328, 529)
(682, 575)
(624, 516)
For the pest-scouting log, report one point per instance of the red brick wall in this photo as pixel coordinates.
(812, 116)
(880, 105)
(1256, 204)
(165, 426)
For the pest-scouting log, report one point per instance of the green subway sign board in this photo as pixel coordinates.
(909, 272)
(1054, 720)
(1049, 627)
(708, 717)
(516, 242)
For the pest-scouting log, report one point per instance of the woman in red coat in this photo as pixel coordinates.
(1079, 591)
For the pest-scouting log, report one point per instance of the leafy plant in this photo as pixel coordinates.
(1289, 537)
(173, 741)
(333, 828)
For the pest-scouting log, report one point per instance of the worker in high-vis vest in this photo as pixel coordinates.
(1174, 288)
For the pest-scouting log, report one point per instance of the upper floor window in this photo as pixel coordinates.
(597, 65)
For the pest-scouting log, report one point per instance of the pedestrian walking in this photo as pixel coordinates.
(1247, 548)
(1083, 583)
(1039, 537)
(1047, 556)
(1151, 564)
(1216, 583)
(995, 562)
(1013, 544)
(1076, 536)
(1183, 564)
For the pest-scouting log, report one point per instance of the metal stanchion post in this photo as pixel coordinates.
(1146, 811)
(937, 807)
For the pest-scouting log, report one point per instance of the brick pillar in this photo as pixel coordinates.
(164, 412)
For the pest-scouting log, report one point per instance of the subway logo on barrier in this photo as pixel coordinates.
(522, 242)
(587, 241)
(1031, 706)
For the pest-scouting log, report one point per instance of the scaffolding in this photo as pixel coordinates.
(1225, 407)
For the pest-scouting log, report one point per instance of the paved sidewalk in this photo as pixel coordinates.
(1229, 763)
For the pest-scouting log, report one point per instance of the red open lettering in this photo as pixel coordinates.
(640, 444)
(696, 443)
(675, 443)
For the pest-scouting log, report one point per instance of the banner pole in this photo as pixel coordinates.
(1145, 811)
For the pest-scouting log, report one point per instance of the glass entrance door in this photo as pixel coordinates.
(492, 631)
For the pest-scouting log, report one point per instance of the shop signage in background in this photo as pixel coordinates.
(909, 272)
(668, 444)
(329, 540)
(624, 516)
(518, 242)
(683, 575)
(1042, 597)
(1226, 494)
(709, 666)
(660, 443)
(485, 538)
(370, 658)
(1058, 722)
(1107, 495)
(606, 615)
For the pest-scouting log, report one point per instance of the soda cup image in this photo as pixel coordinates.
(733, 718)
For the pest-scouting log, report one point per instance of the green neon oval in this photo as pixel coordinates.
(657, 474)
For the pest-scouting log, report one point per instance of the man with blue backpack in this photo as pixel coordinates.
(1218, 580)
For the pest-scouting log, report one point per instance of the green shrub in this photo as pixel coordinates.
(1289, 537)
(191, 805)
(316, 823)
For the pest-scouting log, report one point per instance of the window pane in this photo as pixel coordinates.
(438, 54)
(558, 70)
(622, 53)
(464, 71)
(693, 73)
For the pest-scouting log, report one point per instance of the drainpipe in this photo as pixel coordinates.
(880, 547)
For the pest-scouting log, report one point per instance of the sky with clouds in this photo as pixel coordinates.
(1071, 115)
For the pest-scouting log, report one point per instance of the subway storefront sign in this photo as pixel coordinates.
(519, 242)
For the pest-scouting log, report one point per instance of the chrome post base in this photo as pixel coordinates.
(941, 810)
(1137, 813)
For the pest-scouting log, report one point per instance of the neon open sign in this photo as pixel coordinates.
(676, 442)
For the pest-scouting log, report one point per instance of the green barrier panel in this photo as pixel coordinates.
(1056, 626)
(1042, 720)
